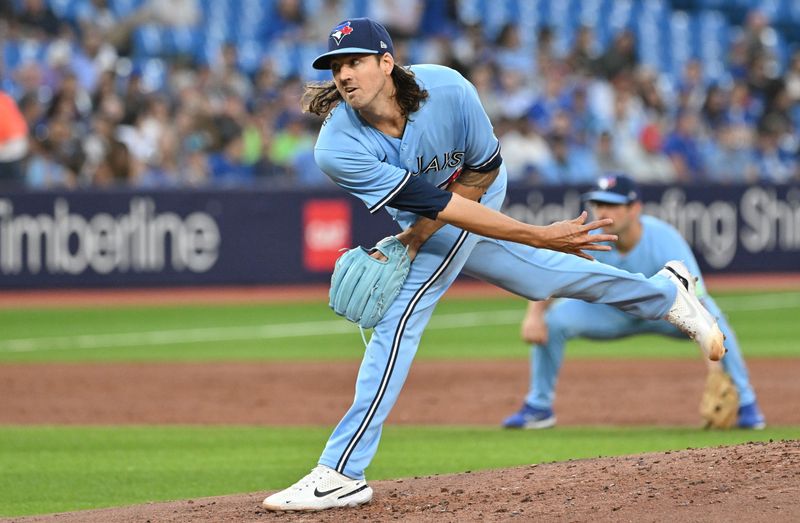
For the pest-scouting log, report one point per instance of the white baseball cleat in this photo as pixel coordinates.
(322, 488)
(689, 315)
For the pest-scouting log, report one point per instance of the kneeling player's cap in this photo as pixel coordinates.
(616, 189)
(355, 36)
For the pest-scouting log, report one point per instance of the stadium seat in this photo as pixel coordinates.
(250, 53)
(124, 8)
(22, 51)
(148, 41)
(66, 9)
(680, 36)
(668, 32)
(154, 73)
(184, 40)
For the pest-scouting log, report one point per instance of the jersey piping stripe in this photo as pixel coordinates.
(387, 373)
(386, 199)
(487, 162)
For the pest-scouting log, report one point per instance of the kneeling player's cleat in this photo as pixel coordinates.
(751, 417)
(530, 418)
(689, 315)
(321, 489)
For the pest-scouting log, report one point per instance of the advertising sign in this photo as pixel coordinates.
(173, 238)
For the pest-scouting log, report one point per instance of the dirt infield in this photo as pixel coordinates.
(744, 483)
(657, 392)
(751, 482)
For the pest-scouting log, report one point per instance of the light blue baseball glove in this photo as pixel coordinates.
(363, 287)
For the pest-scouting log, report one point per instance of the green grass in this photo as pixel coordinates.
(50, 469)
(460, 328)
(55, 469)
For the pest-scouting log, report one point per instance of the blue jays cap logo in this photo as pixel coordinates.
(615, 189)
(607, 182)
(364, 36)
(340, 31)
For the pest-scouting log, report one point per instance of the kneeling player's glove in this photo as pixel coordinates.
(720, 403)
(363, 287)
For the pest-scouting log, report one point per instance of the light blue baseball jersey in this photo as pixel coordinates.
(376, 167)
(660, 243)
(450, 131)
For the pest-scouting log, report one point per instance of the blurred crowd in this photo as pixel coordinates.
(83, 110)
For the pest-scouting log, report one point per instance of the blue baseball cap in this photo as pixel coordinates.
(615, 189)
(355, 36)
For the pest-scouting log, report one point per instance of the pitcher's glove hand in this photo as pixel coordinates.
(720, 403)
(363, 287)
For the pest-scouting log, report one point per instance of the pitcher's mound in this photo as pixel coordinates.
(749, 482)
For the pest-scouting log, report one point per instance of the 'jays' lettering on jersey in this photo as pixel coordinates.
(376, 167)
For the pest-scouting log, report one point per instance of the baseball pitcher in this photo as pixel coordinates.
(417, 143)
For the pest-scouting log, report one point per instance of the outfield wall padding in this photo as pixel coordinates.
(126, 238)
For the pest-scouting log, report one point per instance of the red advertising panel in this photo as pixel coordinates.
(326, 230)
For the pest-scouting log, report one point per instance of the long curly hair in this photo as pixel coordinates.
(320, 97)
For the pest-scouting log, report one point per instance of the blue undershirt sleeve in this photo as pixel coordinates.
(422, 198)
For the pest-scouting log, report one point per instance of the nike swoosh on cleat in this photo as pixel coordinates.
(325, 492)
(683, 280)
(351, 493)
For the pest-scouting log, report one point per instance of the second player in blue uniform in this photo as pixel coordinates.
(644, 245)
